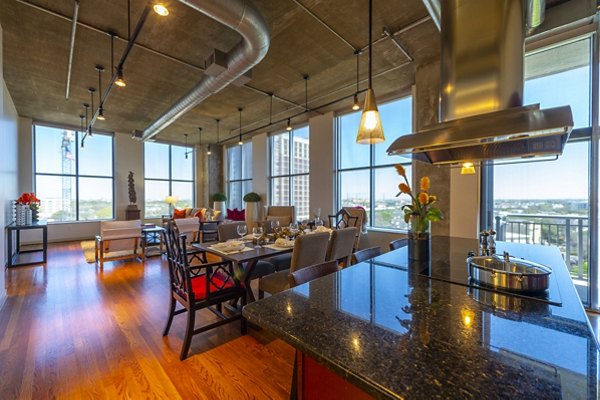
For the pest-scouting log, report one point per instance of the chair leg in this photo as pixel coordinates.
(170, 317)
(219, 307)
(189, 332)
(244, 323)
(261, 294)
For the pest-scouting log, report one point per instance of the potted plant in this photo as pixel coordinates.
(252, 200)
(419, 213)
(219, 200)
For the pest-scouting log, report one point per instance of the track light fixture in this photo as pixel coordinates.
(100, 116)
(289, 125)
(355, 105)
(160, 9)
(120, 82)
(370, 130)
(240, 141)
(186, 152)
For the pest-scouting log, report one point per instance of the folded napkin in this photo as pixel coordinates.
(284, 243)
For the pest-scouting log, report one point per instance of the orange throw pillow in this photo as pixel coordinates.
(178, 213)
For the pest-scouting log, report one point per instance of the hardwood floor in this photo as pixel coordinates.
(70, 330)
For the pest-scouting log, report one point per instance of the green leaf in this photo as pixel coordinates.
(434, 214)
(407, 217)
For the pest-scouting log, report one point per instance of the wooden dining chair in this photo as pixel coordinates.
(341, 245)
(313, 272)
(342, 219)
(398, 243)
(308, 250)
(366, 254)
(190, 227)
(197, 287)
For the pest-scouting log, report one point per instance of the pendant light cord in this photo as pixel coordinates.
(370, 44)
(200, 137)
(240, 110)
(218, 120)
(357, 52)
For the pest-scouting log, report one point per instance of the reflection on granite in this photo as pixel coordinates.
(395, 333)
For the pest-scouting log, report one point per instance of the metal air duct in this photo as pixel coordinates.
(240, 16)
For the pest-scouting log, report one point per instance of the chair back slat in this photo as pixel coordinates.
(312, 272)
(366, 254)
(398, 243)
(343, 219)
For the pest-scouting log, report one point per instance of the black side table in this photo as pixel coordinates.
(18, 257)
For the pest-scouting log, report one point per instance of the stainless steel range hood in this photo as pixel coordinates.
(481, 110)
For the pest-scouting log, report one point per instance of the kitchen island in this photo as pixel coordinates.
(388, 328)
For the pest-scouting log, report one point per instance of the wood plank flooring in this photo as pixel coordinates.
(70, 330)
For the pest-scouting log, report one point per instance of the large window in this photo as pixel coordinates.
(168, 171)
(73, 183)
(366, 174)
(548, 202)
(289, 171)
(239, 174)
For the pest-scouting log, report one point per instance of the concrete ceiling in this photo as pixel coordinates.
(36, 41)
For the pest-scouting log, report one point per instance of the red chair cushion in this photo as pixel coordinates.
(178, 213)
(199, 285)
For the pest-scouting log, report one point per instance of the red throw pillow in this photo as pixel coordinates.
(230, 214)
(242, 215)
(178, 213)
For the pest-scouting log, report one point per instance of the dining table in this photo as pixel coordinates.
(246, 259)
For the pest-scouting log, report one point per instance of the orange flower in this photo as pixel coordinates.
(425, 183)
(432, 198)
(423, 198)
(400, 170)
(404, 188)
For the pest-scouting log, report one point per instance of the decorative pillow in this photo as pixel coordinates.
(283, 221)
(216, 213)
(242, 215)
(230, 214)
(200, 213)
(178, 213)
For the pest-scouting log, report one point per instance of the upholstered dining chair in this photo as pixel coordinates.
(366, 254)
(341, 245)
(197, 287)
(229, 231)
(190, 227)
(284, 214)
(308, 250)
(398, 243)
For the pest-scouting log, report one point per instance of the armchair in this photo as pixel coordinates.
(121, 238)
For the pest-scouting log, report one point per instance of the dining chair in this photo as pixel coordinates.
(398, 243)
(361, 216)
(190, 227)
(197, 287)
(312, 272)
(342, 219)
(366, 254)
(341, 245)
(308, 250)
(229, 231)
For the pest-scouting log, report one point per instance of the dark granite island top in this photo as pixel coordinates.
(395, 333)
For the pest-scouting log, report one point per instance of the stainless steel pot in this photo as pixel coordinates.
(509, 273)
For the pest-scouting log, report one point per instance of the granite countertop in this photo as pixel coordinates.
(398, 334)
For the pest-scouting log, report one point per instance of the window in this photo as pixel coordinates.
(289, 171)
(365, 174)
(73, 183)
(239, 174)
(168, 171)
(548, 202)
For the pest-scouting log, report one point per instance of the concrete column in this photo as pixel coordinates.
(260, 166)
(322, 164)
(209, 175)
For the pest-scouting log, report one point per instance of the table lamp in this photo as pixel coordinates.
(171, 201)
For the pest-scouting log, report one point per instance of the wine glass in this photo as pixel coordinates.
(242, 230)
(274, 225)
(318, 222)
(257, 232)
(293, 229)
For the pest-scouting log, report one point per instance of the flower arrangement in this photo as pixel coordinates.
(422, 209)
(28, 199)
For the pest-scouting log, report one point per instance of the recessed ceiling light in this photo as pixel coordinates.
(160, 9)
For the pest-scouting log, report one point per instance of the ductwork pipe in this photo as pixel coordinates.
(240, 16)
(71, 47)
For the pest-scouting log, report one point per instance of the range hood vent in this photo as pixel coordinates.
(481, 112)
(515, 132)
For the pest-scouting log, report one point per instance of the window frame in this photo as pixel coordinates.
(34, 125)
(588, 133)
(241, 180)
(290, 176)
(372, 168)
(170, 179)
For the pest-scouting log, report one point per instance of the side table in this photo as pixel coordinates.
(15, 256)
(153, 236)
